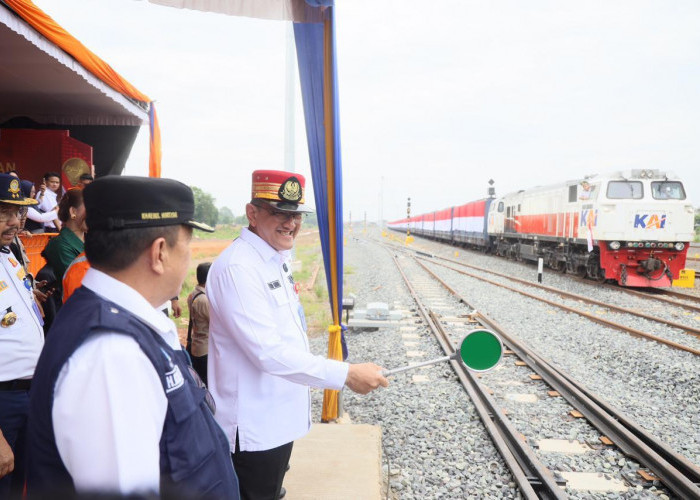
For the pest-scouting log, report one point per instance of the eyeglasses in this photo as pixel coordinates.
(283, 217)
(8, 213)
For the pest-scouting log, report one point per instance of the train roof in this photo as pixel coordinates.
(636, 174)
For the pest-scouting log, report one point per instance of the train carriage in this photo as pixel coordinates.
(633, 227)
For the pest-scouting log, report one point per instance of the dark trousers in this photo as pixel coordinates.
(260, 473)
(199, 363)
(14, 407)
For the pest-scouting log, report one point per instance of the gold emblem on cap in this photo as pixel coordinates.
(8, 319)
(14, 188)
(291, 190)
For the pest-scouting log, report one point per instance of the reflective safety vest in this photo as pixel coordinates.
(74, 275)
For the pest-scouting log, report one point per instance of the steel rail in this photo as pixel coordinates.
(527, 470)
(658, 294)
(690, 330)
(674, 293)
(592, 317)
(671, 472)
(685, 466)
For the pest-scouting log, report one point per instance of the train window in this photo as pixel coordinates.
(625, 190)
(572, 193)
(500, 206)
(667, 190)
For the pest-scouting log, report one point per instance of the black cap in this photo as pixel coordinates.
(11, 192)
(124, 202)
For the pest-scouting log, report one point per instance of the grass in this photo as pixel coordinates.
(228, 232)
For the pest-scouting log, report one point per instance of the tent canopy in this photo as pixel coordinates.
(41, 86)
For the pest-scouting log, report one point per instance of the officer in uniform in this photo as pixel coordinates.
(21, 340)
(259, 362)
(115, 407)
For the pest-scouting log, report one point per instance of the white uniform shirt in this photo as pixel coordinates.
(47, 202)
(20, 343)
(259, 362)
(36, 216)
(109, 404)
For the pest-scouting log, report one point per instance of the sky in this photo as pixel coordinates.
(436, 98)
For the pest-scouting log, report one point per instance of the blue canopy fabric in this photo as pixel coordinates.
(315, 44)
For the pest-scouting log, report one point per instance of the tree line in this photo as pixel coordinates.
(205, 210)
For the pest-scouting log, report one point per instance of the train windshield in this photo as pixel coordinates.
(667, 190)
(625, 190)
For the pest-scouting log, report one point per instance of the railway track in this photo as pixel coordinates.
(684, 328)
(534, 477)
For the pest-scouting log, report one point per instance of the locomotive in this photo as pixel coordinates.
(633, 227)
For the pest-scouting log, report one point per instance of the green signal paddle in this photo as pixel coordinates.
(479, 351)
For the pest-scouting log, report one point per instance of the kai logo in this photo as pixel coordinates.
(588, 218)
(650, 221)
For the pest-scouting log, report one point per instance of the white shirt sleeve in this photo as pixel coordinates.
(244, 311)
(108, 414)
(37, 216)
(47, 201)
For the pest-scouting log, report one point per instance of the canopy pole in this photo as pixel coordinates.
(335, 350)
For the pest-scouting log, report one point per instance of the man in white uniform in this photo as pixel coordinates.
(114, 407)
(259, 365)
(21, 340)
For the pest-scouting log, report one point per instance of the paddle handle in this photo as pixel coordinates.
(386, 373)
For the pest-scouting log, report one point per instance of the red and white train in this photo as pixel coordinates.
(633, 227)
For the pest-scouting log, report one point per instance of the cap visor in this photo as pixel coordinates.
(23, 201)
(200, 225)
(288, 207)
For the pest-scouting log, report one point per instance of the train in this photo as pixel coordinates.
(633, 227)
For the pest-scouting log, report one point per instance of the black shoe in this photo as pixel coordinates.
(282, 492)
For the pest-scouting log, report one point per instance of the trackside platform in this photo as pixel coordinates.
(336, 461)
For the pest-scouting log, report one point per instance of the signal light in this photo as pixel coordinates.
(679, 246)
(614, 245)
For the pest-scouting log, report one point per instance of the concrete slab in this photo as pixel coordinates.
(408, 328)
(340, 462)
(410, 336)
(522, 398)
(417, 379)
(592, 481)
(408, 343)
(455, 319)
(563, 446)
(414, 354)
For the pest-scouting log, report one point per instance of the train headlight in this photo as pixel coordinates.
(679, 246)
(614, 245)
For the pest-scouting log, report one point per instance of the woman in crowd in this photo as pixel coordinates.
(35, 219)
(49, 197)
(62, 249)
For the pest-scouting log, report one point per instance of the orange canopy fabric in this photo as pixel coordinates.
(45, 25)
